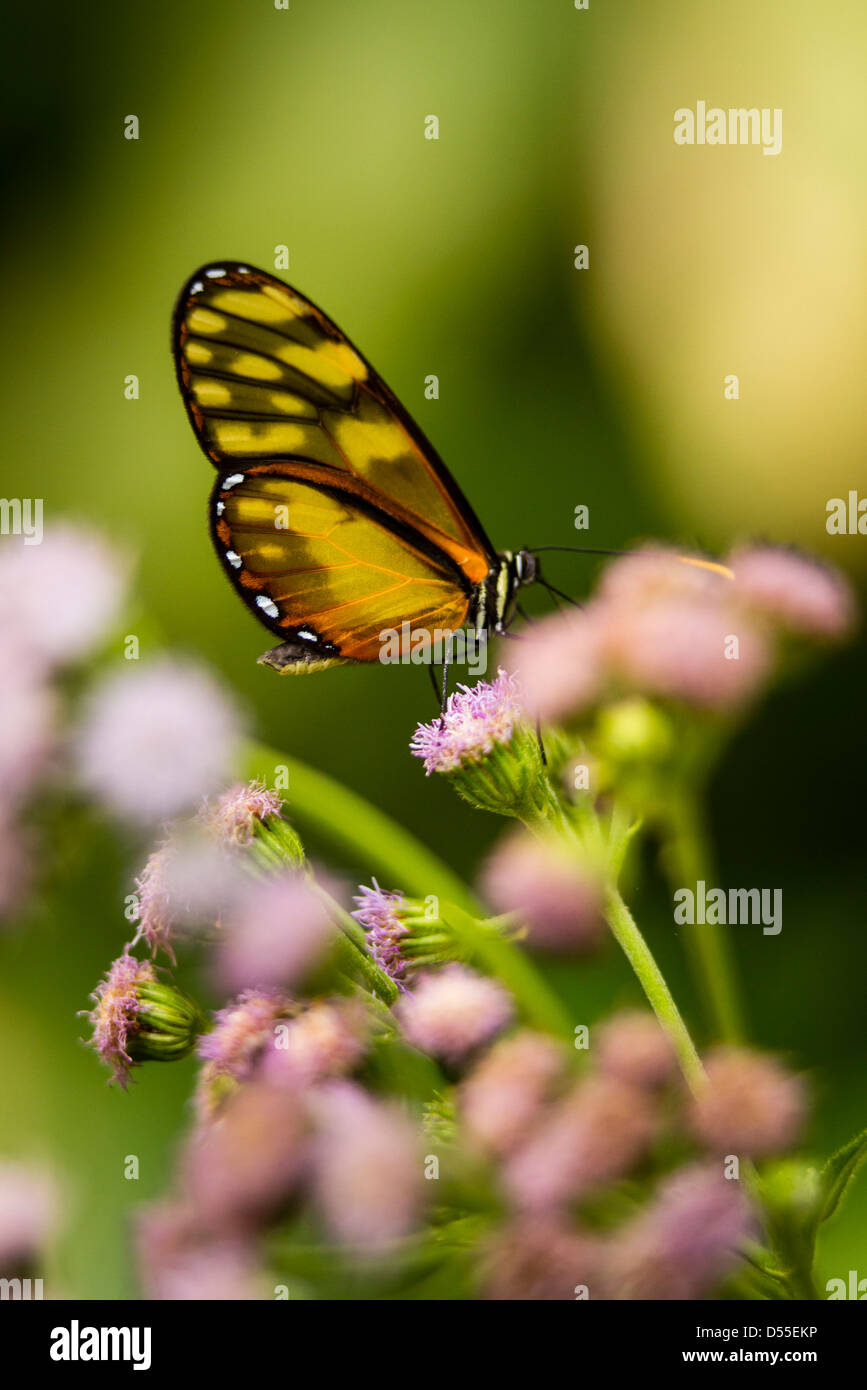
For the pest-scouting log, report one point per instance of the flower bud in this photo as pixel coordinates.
(137, 1018)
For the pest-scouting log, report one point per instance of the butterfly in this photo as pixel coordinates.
(333, 516)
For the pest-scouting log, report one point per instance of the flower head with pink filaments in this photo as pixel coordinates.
(117, 1007)
(484, 744)
(475, 720)
(234, 816)
(452, 1012)
(378, 911)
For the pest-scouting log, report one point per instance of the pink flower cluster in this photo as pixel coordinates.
(667, 626)
(280, 1121)
(559, 1143)
(58, 601)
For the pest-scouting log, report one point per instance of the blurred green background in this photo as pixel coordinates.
(261, 127)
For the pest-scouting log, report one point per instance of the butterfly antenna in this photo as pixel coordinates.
(557, 593)
(713, 565)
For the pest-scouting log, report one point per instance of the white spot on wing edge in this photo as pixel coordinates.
(267, 605)
(233, 480)
(234, 559)
(214, 274)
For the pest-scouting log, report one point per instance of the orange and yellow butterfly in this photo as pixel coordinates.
(334, 517)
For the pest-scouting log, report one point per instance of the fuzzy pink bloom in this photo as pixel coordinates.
(328, 1038)
(233, 817)
(115, 1012)
(28, 1215)
(656, 575)
(368, 1176)
(750, 1106)
(684, 1243)
(475, 720)
(677, 649)
(179, 1262)
(242, 1164)
(240, 1036)
(188, 882)
(452, 1011)
(794, 591)
(378, 911)
(62, 595)
(277, 933)
(633, 1047)
(504, 1094)
(155, 740)
(536, 1259)
(559, 661)
(596, 1134)
(558, 901)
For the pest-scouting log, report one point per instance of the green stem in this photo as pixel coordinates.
(652, 981)
(374, 841)
(688, 859)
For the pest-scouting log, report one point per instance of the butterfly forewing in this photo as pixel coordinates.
(333, 516)
(265, 374)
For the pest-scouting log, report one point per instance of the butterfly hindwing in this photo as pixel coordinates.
(327, 569)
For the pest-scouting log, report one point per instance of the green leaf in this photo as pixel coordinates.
(838, 1172)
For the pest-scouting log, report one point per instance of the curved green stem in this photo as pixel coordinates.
(652, 981)
(687, 860)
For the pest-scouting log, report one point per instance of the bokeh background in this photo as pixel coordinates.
(261, 127)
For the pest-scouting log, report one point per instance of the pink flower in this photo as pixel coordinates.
(63, 595)
(241, 1034)
(155, 740)
(453, 1011)
(234, 816)
(560, 664)
(504, 1094)
(116, 1011)
(596, 1134)
(328, 1038)
(661, 624)
(187, 882)
(179, 1261)
(536, 1258)
(794, 591)
(241, 1165)
(277, 933)
(687, 649)
(368, 1179)
(475, 720)
(750, 1106)
(684, 1243)
(28, 1215)
(633, 1047)
(557, 899)
(378, 911)
(659, 574)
